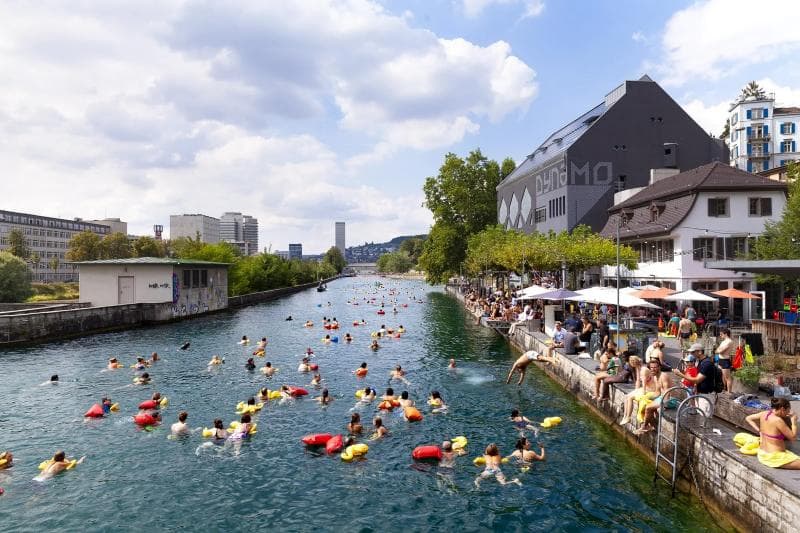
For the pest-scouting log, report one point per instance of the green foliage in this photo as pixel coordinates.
(781, 239)
(749, 375)
(412, 248)
(115, 246)
(15, 283)
(46, 292)
(335, 258)
(148, 247)
(463, 200)
(753, 89)
(84, 246)
(18, 244)
(184, 246)
(496, 248)
(395, 262)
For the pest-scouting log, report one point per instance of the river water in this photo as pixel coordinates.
(137, 480)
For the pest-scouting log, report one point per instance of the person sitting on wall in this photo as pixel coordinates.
(557, 340)
(774, 431)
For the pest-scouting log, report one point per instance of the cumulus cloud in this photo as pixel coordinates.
(639, 37)
(707, 40)
(532, 8)
(149, 108)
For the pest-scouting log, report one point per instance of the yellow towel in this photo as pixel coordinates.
(643, 400)
(776, 459)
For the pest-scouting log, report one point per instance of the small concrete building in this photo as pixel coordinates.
(191, 286)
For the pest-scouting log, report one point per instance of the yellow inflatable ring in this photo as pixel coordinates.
(551, 421)
(234, 425)
(70, 464)
(459, 443)
(115, 407)
(435, 402)
(481, 461)
(360, 393)
(208, 433)
(751, 448)
(164, 402)
(354, 450)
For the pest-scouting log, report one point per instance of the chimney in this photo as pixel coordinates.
(658, 174)
(670, 155)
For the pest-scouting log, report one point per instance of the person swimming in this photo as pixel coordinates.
(304, 366)
(348, 338)
(308, 324)
(144, 379)
(493, 459)
(267, 369)
(380, 430)
(361, 371)
(325, 398)
(289, 318)
(452, 363)
(355, 427)
(6, 460)
(242, 431)
(140, 364)
(245, 341)
(262, 344)
(375, 346)
(220, 433)
(435, 400)
(524, 454)
(181, 427)
(522, 423)
(389, 396)
(263, 394)
(154, 357)
(56, 465)
(250, 364)
(185, 345)
(399, 374)
(215, 360)
(113, 364)
(316, 380)
(405, 401)
(368, 395)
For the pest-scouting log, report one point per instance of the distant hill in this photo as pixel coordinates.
(369, 252)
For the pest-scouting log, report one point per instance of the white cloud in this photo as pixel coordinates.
(639, 37)
(715, 38)
(473, 8)
(143, 109)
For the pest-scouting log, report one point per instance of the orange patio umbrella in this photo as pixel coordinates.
(737, 294)
(654, 294)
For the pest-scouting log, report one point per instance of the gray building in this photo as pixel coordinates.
(48, 240)
(239, 230)
(571, 177)
(116, 225)
(295, 251)
(192, 226)
(340, 241)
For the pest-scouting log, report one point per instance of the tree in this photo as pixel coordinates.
(753, 89)
(463, 200)
(335, 258)
(17, 244)
(84, 246)
(781, 239)
(15, 282)
(115, 246)
(395, 262)
(412, 248)
(147, 247)
(726, 131)
(53, 264)
(35, 259)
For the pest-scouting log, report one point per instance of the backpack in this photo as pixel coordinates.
(719, 383)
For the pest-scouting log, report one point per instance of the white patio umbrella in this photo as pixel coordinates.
(608, 296)
(532, 292)
(690, 296)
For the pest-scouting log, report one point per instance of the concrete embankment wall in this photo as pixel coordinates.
(736, 488)
(43, 325)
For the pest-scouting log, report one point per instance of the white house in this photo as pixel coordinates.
(762, 136)
(191, 286)
(677, 223)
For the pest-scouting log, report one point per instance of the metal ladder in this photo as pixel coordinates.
(690, 405)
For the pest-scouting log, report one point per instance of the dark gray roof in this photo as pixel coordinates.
(557, 143)
(714, 176)
(675, 195)
(150, 261)
(786, 111)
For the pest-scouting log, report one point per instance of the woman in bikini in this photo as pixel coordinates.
(774, 433)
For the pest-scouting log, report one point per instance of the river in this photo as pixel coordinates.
(137, 480)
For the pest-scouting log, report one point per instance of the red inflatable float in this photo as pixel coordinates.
(95, 411)
(427, 452)
(327, 326)
(316, 439)
(334, 444)
(412, 414)
(148, 404)
(381, 312)
(297, 391)
(314, 366)
(355, 323)
(145, 419)
(388, 405)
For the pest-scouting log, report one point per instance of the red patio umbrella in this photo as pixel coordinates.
(654, 294)
(737, 294)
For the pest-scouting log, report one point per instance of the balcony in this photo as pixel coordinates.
(758, 137)
(758, 155)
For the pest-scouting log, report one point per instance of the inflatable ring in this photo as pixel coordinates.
(242, 408)
(208, 433)
(144, 420)
(361, 372)
(459, 443)
(235, 425)
(274, 394)
(164, 402)
(374, 334)
(481, 461)
(353, 451)
(551, 421)
(297, 391)
(114, 407)
(360, 393)
(435, 402)
(386, 405)
(70, 464)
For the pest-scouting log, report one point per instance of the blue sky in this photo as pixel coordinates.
(305, 112)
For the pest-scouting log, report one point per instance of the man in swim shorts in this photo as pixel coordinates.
(521, 364)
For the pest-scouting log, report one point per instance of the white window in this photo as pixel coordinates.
(757, 166)
(734, 118)
(756, 113)
(786, 146)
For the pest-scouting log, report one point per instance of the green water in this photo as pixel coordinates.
(135, 480)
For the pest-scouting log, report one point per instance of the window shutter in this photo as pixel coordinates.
(749, 132)
(766, 112)
(766, 148)
(766, 130)
(793, 127)
(749, 149)
(749, 115)
(782, 147)
(794, 146)
(749, 166)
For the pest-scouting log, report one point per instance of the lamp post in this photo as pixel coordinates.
(620, 186)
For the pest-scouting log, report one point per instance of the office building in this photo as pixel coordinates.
(239, 230)
(570, 178)
(283, 254)
(116, 225)
(296, 251)
(762, 136)
(48, 241)
(204, 227)
(340, 241)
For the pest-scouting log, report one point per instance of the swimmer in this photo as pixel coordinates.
(316, 380)
(380, 429)
(382, 331)
(181, 427)
(263, 394)
(355, 427)
(308, 324)
(144, 379)
(327, 339)
(58, 464)
(245, 341)
(215, 360)
(106, 404)
(289, 318)
(368, 396)
(262, 344)
(6, 460)
(185, 345)
(348, 338)
(267, 369)
(522, 423)
(140, 364)
(448, 459)
(154, 357)
(52, 381)
(361, 371)
(250, 364)
(286, 394)
(113, 364)
(304, 366)
(389, 396)
(521, 364)
(309, 352)
(405, 401)
(435, 400)
(452, 364)
(363, 322)
(524, 454)
(401, 329)
(493, 460)
(399, 374)
(375, 346)
(242, 431)
(325, 398)
(220, 433)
